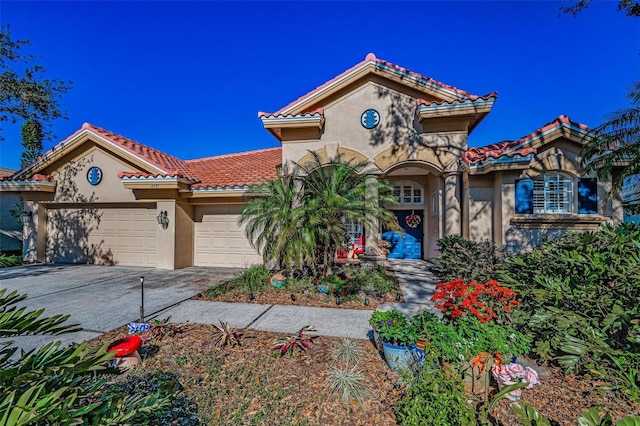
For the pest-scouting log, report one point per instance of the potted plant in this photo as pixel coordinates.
(397, 335)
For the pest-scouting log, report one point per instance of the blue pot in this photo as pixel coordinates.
(398, 357)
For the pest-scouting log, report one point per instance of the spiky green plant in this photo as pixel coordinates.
(347, 352)
(225, 335)
(348, 384)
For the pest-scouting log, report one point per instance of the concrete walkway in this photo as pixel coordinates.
(416, 282)
(95, 298)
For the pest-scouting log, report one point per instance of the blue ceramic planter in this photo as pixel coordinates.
(398, 357)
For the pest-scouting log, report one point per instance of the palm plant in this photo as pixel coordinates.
(616, 143)
(275, 223)
(338, 192)
(287, 218)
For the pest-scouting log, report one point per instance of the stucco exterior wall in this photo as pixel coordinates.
(399, 132)
(73, 186)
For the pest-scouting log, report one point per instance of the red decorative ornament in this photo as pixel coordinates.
(413, 220)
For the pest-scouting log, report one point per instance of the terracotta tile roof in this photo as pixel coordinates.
(36, 177)
(236, 170)
(443, 102)
(172, 166)
(462, 94)
(6, 172)
(316, 113)
(518, 147)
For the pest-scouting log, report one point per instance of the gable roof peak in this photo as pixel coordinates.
(371, 64)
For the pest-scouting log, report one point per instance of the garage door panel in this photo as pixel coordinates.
(219, 239)
(122, 236)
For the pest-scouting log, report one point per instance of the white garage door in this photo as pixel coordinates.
(219, 240)
(103, 236)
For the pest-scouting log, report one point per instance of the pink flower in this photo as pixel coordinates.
(530, 376)
(501, 373)
(516, 370)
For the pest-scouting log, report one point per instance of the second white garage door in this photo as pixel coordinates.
(219, 240)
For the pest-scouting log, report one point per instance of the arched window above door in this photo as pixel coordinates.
(408, 193)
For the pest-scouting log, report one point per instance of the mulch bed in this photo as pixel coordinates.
(283, 297)
(246, 385)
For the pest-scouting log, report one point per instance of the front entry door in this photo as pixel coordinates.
(409, 244)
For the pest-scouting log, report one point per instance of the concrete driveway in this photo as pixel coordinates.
(102, 298)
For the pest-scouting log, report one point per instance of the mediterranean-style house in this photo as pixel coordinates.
(98, 197)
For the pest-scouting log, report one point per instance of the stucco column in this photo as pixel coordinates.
(41, 233)
(373, 232)
(166, 237)
(497, 210)
(30, 232)
(452, 212)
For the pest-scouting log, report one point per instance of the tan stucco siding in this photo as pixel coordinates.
(481, 213)
(219, 240)
(73, 185)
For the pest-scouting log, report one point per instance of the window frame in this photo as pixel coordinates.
(400, 193)
(554, 193)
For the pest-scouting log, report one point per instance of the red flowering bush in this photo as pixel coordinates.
(485, 301)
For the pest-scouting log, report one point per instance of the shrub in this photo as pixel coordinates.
(248, 281)
(376, 279)
(486, 301)
(393, 327)
(179, 411)
(466, 259)
(580, 297)
(9, 260)
(467, 337)
(436, 399)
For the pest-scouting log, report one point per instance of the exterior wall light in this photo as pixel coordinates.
(23, 216)
(163, 219)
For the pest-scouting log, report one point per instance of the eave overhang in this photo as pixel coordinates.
(154, 182)
(275, 123)
(516, 162)
(27, 186)
(65, 146)
(476, 110)
(217, 191)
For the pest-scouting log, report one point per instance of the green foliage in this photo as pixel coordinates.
(436, 399)
(579, 299)
(288, 218)
(466, 259)
(528, 415)
(276, 224)
(25, 95)
(55, 385)
(32, 137)
(178, 411)
(393, 327)
(374, 281)
(300, 285)
(9, 260)
(467, 337)
(248, 281)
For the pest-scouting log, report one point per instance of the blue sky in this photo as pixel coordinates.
(189, 78)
